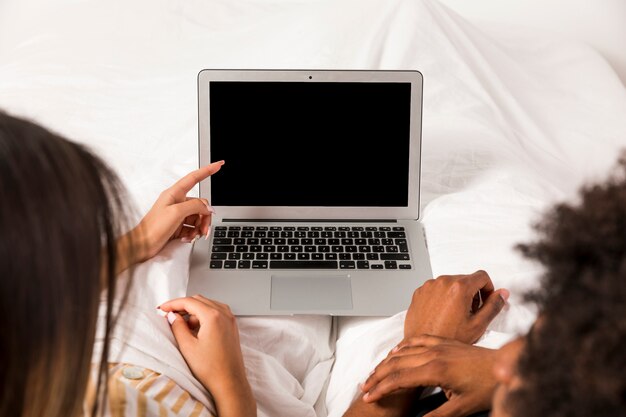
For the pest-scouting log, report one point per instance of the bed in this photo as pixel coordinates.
(520, 110)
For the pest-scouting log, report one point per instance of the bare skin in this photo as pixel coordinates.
(172, 216)
(443, 307)
(506, 376)
(463, 371)
(209, 342)
(209, 339)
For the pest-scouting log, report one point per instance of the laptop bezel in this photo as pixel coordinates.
(410, 212)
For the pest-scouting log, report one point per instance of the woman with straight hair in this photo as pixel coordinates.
(65, 235)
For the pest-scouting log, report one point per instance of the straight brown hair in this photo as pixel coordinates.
(61, 212)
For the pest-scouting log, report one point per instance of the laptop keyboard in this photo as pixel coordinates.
(309, 247)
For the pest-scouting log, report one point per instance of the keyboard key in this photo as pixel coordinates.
(376, 266)
(395, 256)
(317, 256)
(347, 265)
(372, 257)
(262, 255)
(303, 256)
(222, 241)
(396, 234)
(391, 265)
(234, 255)
(303, 264)
(216, 256)
(345, 256)
(289, 256)
(230, 264)
(248, 255)
(215, 264)
(260, 264)
(276, 256)
(330, 256)
(405, 266)
(244, 264)
(363, 265)
(223, 248)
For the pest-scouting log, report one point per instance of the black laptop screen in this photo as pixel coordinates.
(310, 143)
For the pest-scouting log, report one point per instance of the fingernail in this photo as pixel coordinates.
(504, 293)
(366, 396)
(395, 349)
(185, 239)
(208, 207)
(208, 232)
(171, 317)
(195, 238)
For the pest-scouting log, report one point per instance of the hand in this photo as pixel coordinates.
(464, 372)
(446, 307)
(209, 342)
(175, 216)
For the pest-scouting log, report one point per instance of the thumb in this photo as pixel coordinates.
(181, 331)
(492, 306)
(194, 206)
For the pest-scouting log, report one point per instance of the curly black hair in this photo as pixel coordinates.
(574, 361)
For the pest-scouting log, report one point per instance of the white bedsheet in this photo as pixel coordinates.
(511, 125)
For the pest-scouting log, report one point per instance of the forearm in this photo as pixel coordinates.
(396, 405)
(236, 401)
(128, 251)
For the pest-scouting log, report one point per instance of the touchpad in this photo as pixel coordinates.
(311, 292)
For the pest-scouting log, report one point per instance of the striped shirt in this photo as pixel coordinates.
(139, 392)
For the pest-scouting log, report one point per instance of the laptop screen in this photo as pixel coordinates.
(333, 144)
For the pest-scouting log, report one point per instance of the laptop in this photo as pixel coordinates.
(317, 205)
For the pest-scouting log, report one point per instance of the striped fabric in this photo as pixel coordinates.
(139, 392)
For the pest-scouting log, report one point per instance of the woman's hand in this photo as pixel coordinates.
(447, 307)
(464, 372)
(173, 216)
(209, 342)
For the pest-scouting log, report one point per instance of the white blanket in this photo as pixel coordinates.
(511, 124)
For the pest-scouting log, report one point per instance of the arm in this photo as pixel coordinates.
(464, 372)
(443, 307)
(173, 216)
(209, 342)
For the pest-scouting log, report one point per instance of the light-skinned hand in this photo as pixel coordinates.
(175, 216)
(209, 342)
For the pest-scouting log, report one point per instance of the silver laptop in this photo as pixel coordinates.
(317, 206)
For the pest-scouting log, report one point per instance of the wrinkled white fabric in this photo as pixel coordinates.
(511, 124)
